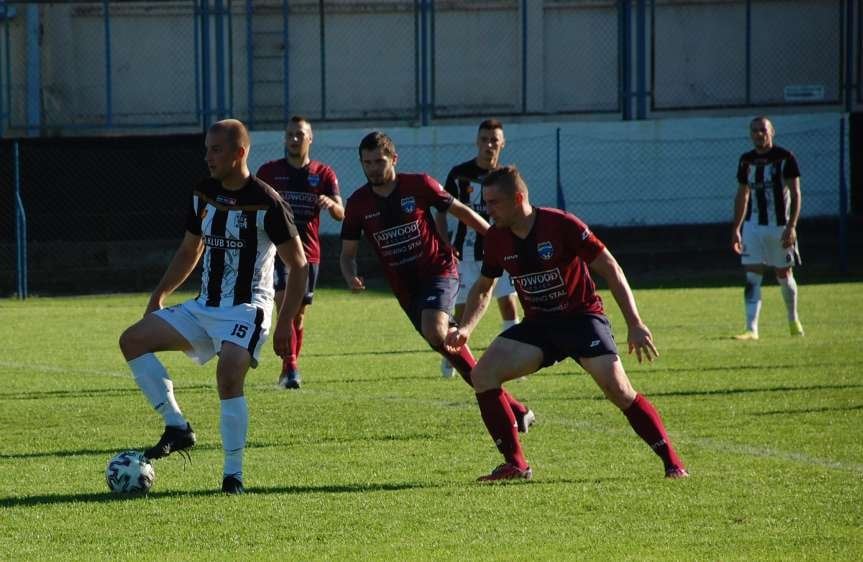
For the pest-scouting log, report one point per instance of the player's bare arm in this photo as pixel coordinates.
(348, 265)
(640, 339)
(468, 216)
(477, 302)
(292, 254)
(333, 205)
(789, 236)
(740, 201)
(182, 264)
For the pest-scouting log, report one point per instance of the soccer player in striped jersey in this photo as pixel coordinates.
(548, 252)
(308, 186)
(394, 210)
(767, 205)
(236, 223)
(464, 182)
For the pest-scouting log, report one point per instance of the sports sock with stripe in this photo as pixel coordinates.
(752, 299)
(647, 423)
(156, 383)
(500, 423)
(789, 294)
(233, 424)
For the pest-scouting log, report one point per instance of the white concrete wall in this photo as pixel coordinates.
(673, 171)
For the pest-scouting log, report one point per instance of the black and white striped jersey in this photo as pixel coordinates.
(769, 200)
(240, 231)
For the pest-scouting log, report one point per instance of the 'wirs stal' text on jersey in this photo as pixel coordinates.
(240, 230)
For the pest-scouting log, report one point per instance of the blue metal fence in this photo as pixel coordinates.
(264, 61)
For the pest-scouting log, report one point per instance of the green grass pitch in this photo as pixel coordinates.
(376, 456)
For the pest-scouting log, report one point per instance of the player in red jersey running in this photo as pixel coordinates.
(395, 213)
(547, 253)
(308, 186)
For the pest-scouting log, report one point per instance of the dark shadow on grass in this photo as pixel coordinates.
(49, 499)
(809, 411)
(86, 393)
(382, 352)
(730, 391)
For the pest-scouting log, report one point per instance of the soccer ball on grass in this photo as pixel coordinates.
(130, 472)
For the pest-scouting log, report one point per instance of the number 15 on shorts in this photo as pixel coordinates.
(240, 330)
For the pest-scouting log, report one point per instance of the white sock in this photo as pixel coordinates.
(234, 423)
(789, 294)
(158, 387)
(752, 298)
(507, 324)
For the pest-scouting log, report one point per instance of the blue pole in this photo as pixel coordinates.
(431, 42)
(424, 61)
(417, 58)
(843, 202)
(561, 199)
(205, 63)
(323, 27)
(625, 58)
(219, 8)
(20, 229)
(849, 54)
(6, 42)
(197, 35)
(524, 56)
(250, 65)
(748, 52)
(286, 93)
(109, 105)
(640, 62)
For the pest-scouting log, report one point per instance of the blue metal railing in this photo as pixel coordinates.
(20, 227)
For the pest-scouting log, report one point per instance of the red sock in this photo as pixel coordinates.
(500, 422)
(290, 362)
(298, 343)
(464, 362)
(646, 422)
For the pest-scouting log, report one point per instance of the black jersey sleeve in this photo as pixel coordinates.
(279, 222)
(791, 170)
(193, 218)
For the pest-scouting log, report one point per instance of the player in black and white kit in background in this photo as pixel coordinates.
(464, 182)
(767, 206)
(237, 223)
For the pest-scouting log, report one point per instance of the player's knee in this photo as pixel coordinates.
(483, 379)
(131, 343)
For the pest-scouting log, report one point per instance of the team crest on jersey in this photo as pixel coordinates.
(225, 200)
(409, 204)
(545, 250)
(314, 181)
(241, 222)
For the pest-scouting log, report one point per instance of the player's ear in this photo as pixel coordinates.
(395, 158)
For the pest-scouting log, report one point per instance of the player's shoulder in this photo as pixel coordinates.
(410, 181)
(362, 193)
(206, 186)
(467, 169)
(749, 155)
(557, 218)
(780, 152)
(271, 166)
(260, 192)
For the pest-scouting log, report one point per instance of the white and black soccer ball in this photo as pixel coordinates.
(130, 472)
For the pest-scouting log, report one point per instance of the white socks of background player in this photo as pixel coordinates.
(158, 387)
(752, 298)
(234, 423)
(507, 324)
(789, 294)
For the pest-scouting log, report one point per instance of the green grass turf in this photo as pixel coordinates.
(376, 456)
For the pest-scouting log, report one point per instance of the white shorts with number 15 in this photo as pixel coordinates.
(206, 327)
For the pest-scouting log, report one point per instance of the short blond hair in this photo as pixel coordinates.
(237, 132)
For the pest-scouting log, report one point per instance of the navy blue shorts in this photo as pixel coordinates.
(438, 294)
(281, 280)
(585, 335)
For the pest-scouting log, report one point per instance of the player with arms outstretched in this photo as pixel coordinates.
(308, 186)
(237, 223)
(547, 252)
(394, 212)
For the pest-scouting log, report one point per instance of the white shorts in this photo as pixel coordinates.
(468, 273)
(207, 327)
(762, 245)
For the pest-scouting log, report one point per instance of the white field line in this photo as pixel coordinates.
(706, 443)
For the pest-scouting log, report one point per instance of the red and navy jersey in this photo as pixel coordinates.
(769, 201)
(548, 267)
(464, 182)
(240, 230)
(300, 187)
(401, 229)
